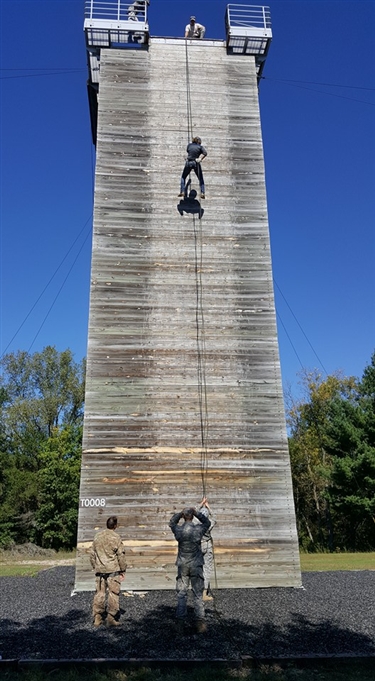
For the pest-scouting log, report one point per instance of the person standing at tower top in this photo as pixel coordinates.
(195, 154)
(194, 30)
(137, 7)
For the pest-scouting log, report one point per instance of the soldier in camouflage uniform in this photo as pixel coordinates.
(207, 550)
(107, 557)
(189, 564)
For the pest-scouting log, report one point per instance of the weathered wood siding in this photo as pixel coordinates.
(154, 275)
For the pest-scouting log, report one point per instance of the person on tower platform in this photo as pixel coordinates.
(137, 7)
(195, 155)
(107, 557)
(194, 30)
(189, 564)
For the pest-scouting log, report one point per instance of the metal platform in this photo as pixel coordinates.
(114, 23)
(249, 32)
(110, 24)
(119, 24)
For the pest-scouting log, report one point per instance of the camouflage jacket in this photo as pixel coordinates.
(207, 539)
(107, 553)
(189, 536)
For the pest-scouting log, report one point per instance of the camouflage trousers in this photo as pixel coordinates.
(107, 597)
(208, 556)
(190, 575)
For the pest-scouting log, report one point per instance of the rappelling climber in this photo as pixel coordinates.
(195, 155)
(194, 30)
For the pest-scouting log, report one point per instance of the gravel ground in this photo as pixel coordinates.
(334, 614)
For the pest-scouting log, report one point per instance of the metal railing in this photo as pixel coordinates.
(116, 10)
(248, 16)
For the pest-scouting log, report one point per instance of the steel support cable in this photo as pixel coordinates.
(58, 293)
(48, 283)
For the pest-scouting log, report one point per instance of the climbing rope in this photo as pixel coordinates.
(188, 96)
(201, 352)
(199, 312)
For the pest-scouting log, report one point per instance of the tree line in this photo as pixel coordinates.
(41, 417)
(331, 443)
(332, 451)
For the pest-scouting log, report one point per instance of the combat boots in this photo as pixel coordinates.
(98, 620)
(112, 622)
(180, 627)
(201, 626)
(206, 596)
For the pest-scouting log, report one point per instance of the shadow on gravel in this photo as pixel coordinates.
(152, 635)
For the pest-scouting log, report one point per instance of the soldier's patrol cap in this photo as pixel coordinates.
(188, 511)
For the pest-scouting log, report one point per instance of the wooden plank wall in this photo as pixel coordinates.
(182, 314)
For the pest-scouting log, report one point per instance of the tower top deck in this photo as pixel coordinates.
(120, 24)
(248, 30)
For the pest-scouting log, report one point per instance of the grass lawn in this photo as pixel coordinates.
(317, 562)
(20, 570)
(25, 566)
(352, 670)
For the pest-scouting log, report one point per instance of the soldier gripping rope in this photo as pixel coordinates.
(189, 564)
(107, 557)
(207, 550)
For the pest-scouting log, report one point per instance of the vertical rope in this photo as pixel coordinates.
(188, 96)
(199, 311)
(200, 329)
(201, 352)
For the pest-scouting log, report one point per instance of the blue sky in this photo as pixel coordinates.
(318, 118)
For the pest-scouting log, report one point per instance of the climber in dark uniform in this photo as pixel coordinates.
(195, 155)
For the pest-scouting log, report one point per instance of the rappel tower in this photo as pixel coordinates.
(183, 394)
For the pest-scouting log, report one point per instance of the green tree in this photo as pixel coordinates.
(55, 521)
(332, 450)
(311, 463)
(350, 439)
(40, 394)
(43, 390)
